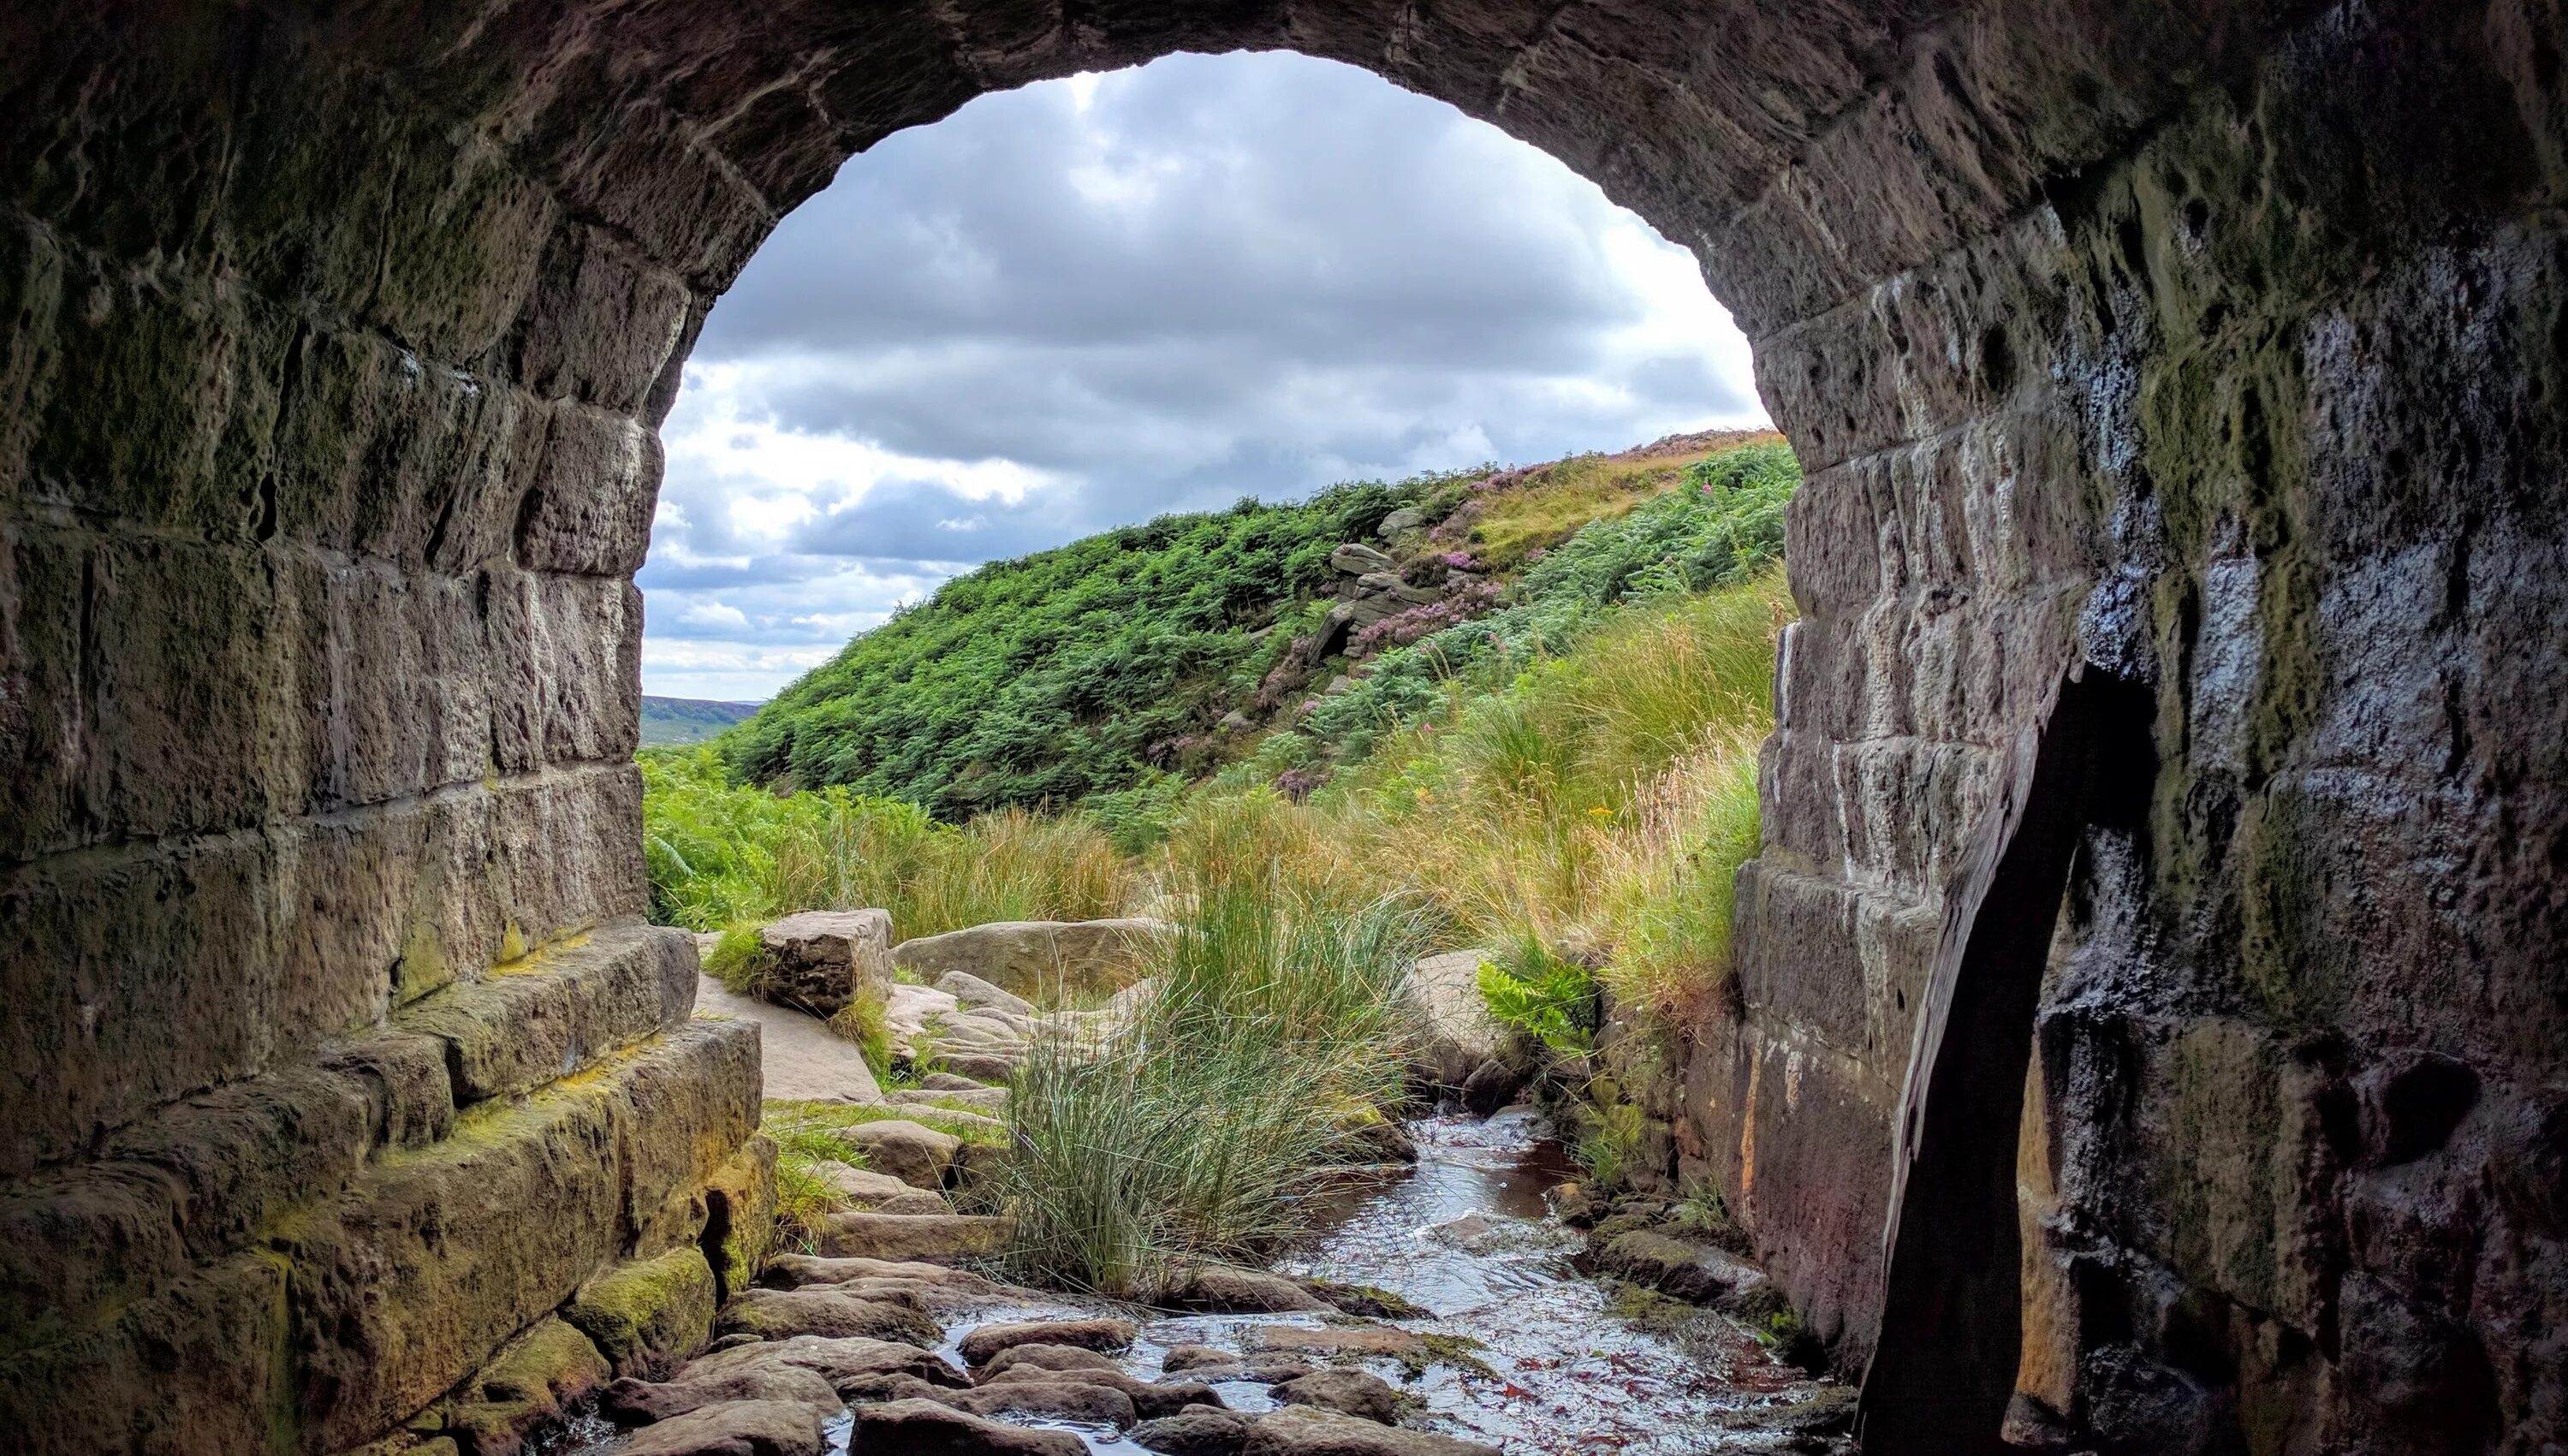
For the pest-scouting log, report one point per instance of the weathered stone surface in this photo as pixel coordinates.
(820, 960)
(828, 1313)
(862, 1187)
(739, 1214)
(1305, 1430)
(1199, 1431)
(296, 308)
(971, 990)
(734, 1428)
(649, 1314)
(1348, 1393)
(916, 1155)
(1036, 1393)
(1023, 957)
(1676, 1267)
(1148, 1398)
(1361, 1339)
(947, 1239)
(535, 1019)
(931, 1429)
(1046, 1357)
(636, 1403)
(1355, 559)
(858, 1368)
(1223, 1289)
(524, 1388)
(1457, 1033)
(982, 1343)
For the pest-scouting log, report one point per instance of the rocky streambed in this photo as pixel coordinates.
(1439, 1309)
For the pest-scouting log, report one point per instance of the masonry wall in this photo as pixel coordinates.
(2218, 343)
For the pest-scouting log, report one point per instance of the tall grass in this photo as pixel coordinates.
(1275, 1028)
(722, 855)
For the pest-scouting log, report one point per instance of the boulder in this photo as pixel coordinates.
(916, 1155)
(946, 1081)
(933, 1239)
(981, 1345)
(1694, 1273)
(1149, 1398)
(1355, 558)
(862, 1187)
(858, 1369)
(820, 960)
(1306, 1430)
(734, 1428)
(1456, 1033)
(1046, 1357)
(1407, 518)
(640, 1403)
(1492, 1085)
(973, 992)
(1039, 1393)
(991, 1102)
(1223, 1289)
(1184, 1357)
(648, 1315)
(1234, 722)
(1194, 1431)
(1348, 1392)
(917, 1203)
(825, 1312)
(524, 1388)
(915, 1428)
(988, 1068)
(1024, 957)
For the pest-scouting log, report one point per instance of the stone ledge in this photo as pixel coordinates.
(542, 1018)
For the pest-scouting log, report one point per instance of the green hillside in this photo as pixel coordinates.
(1138, 660)
(671, 720)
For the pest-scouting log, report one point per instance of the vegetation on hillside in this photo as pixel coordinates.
(671, 720)
(1561, 770)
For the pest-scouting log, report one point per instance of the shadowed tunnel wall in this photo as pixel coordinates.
(2219, 342)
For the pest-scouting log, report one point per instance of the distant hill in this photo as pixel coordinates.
(668, 721)
(1163, 652)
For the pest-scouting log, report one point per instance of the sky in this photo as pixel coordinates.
(1100, 299)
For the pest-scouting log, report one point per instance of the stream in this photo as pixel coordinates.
(1466, 1234)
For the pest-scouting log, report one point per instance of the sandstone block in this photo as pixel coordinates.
(599, 325)
(932, 1429)
(566, 668)
(1197, 1431)
(918, 1156)
(741, 1213)
(1348, 1393)
(647, 1316)
(1355, 559)
(734, 1428)
(588, 500)
(982, 1343)
(858, 1368)
(636, 1403)
(825, 1312)
(929, 1239)
(532, 1020)
(524, 1389)
(565, 852)
(1304, 1430)
(820, 960)
(684, 1108)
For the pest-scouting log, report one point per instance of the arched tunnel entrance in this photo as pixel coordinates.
(2216, 347)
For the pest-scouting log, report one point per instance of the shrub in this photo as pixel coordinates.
(1542, 997)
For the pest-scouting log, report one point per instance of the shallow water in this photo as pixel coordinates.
(1466, 1234)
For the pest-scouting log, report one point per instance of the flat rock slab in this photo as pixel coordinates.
(827, 1312)
(927, 1238)
(1361, 1339)
(915, 1154)
(804, 1060)
(1223, 1289)
(927, 1428)
(1197, 1431)
(734, 1428)
(858, 1368)
(979, 1347)
(1304, 1430)
(1348, 1393)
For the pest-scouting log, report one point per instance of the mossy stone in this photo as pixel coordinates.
(648, 1315)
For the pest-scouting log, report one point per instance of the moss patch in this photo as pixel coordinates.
(648, 1315)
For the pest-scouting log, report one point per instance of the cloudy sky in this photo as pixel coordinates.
(1096, 300)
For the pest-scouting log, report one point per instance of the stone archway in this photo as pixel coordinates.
(2220, 344)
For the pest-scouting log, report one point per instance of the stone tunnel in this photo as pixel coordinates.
(2216, 346)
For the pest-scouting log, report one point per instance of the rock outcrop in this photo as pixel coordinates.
(1025, 957)
(820, 960)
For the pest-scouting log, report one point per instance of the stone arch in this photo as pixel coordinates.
(2217, 345)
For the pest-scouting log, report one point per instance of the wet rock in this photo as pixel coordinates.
(1036, 1393)
(976, 994)
(1361, 1339)
(1224, 1288)
(916, 1155)
(638, 1402)
(1492, 1085)
(1691, 1271)
(1199, 1431)
(1149, 1398)
(979, 1347)
(858, 1369)
(1572, 1205)
(1365, 1301)
(820, 960)
(1348, 1392)
(1024, 957)
(1304, 1430)
(1183, 1357)
(1040, 1356)
(525, 1388)
(932, 1239)
(793, 1271)
(737, 1428)
(915, 1428)
(828, 1313)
